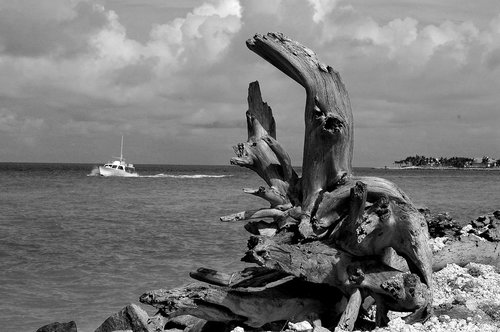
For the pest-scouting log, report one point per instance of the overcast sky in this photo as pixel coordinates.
(172, 77)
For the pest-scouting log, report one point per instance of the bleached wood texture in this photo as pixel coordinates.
(328, 139)
(325, 228)
(293, 301)
(356, 217)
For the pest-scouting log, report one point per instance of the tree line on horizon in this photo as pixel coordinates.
(457, 162)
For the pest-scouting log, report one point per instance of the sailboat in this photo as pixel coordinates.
(118, 167)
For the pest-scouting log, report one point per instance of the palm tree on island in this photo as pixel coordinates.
(445, 162)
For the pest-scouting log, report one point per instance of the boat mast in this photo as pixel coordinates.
(121, 151)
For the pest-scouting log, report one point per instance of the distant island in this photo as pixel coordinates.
(444, 162)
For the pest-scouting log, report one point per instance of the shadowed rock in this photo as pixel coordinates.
(58, 327)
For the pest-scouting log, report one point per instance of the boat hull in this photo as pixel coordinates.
(105, 171)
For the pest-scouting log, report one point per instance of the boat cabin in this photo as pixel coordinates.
(129, 168)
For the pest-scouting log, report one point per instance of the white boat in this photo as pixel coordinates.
(118, 167)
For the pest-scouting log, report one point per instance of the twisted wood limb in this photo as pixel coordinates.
(319, 263)
(289, 174)
(390, 220)
(262, 153)
(351, 312)
(293, 301)
(328, 139)
(273, 196)
(260, 110)
(253, 214)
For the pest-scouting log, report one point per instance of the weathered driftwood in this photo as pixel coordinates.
(321, 197)
(325, 228)
(288, 300)
(328, 139)
(321, 263)
(357, 217)
(262, 153)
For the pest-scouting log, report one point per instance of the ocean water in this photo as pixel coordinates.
(80, 247)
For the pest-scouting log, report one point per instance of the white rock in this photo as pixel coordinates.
(238, 329)
(304, 326)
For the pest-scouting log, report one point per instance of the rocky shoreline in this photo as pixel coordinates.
(466, 294)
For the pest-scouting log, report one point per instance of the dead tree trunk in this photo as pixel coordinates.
(253, 297)
(325, 228)
(322, 207)
(328, 139)
(321, 197)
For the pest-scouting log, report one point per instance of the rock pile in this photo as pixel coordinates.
(485, 226)
(465, 299)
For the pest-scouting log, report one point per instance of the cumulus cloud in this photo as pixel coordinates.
(322, 8)
(72, 68)
(104, 47)
(402, 40)
(31, 28)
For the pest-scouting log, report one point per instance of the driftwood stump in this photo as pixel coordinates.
(328, 240)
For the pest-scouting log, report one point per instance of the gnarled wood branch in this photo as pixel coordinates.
(269, 194)
(328, 140)
(294, 301)
(262, 153)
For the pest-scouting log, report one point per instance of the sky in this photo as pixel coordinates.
(172, 76)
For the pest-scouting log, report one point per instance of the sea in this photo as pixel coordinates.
(75, 246)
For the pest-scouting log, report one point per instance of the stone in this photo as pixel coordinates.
(442, 224)
(238, 329)
(183, 321)
(320, 329)
(492, 310)
(132, 317)
(58, 327)
(493, 232)
(461, 313)
(303, 326)
(210, 326)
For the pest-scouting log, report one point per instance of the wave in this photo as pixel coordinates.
(94, 172)
(183, 176)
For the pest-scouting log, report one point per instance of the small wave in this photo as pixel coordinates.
(94, 172)
(183, 176)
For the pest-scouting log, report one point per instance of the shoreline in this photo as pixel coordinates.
(425, 168)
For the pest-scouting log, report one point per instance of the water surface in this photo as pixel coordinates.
(79, 247)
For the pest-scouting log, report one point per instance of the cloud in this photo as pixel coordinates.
(322, 8)
(200, 37)
(31, 28)
(100, 61)
(404, 41)
(74, 66)
(19, 128)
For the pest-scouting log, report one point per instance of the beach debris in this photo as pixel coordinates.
(327, 209)
(254, 307)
